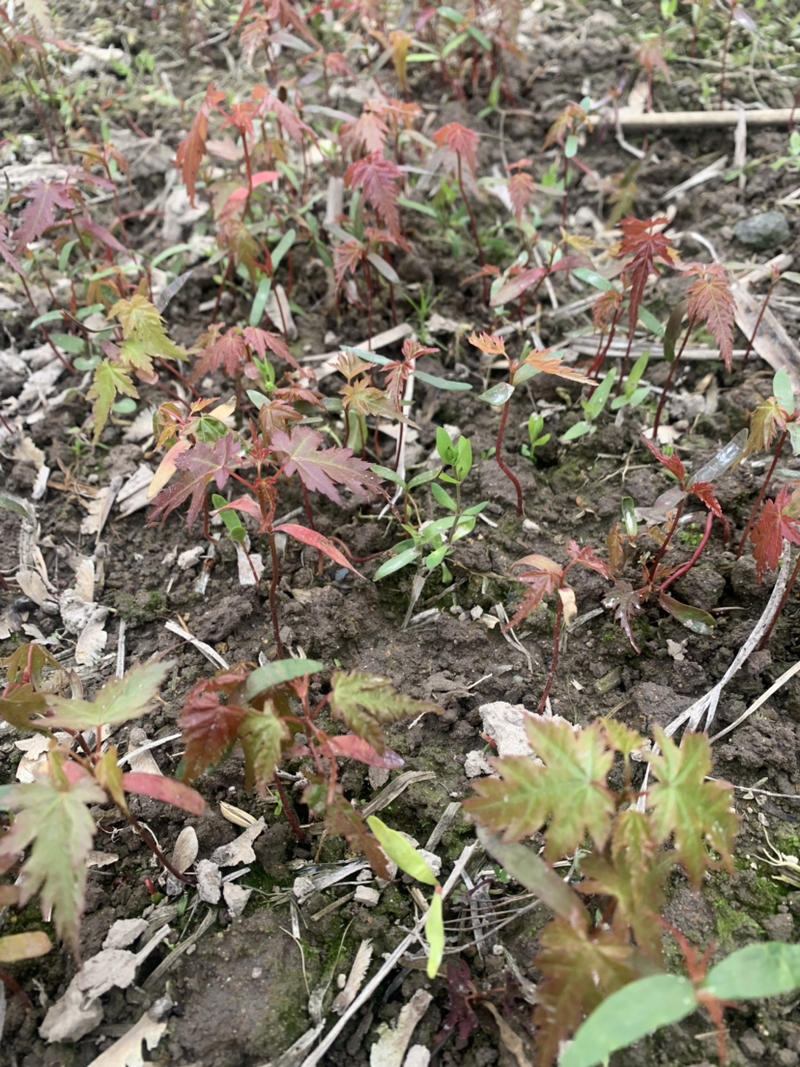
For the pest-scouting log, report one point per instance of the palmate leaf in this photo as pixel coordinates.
(697, 814)
(197, 468)
(262, 735)
(322, 469)
(569, 790)
(210, 726)
(53, 817)
(646, 245)
(118, 701)
(39, 213)
(192, 148)
(144, 336)
(379, 178)
(366, 703)
(711, 302)
(109, 379)
(776, 523)
(579, 969)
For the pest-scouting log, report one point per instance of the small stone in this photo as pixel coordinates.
(752, 1045)
(786, 1057)
(764, 231)
(367, 896)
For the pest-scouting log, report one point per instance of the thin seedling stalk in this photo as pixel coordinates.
(763, 492)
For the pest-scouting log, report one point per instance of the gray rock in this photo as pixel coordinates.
(764, 231)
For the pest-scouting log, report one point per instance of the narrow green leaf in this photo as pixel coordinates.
(282, 247)
(260, 301)
(402, 852)
(673, 329)
(396, 563)
(442, 383)
(631, 1013)
(591, 277)
(761, 970)
(434, 933)
(782, 390)
(694, 619)
(282, 670)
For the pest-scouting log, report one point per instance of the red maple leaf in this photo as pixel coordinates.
(197, 468)
(368, 133)
(346, 258)
(520, 193)
(286, 117)
(379, 178)
(397, 373)
(672, 463)
(461, 140)
(193, 147)
(39, 213)
(707, 493)
(646, 246)
(711, 302)
(776, 523)
(321, 469)
(209, 726)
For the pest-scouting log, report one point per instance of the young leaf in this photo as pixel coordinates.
(711, 302)
(402, 852)
(434, 934)
(672, 463)
(366, 703)
(322, 469)
(167, 790)
(379, 178)
(351, 747)
(278, 673)
(109, 379)
(520, 192)
(461, 140)
(144, 336)
(543, 363)
(192, 148)
(697, 813)
(581, 968)
(645, 245)
(52, 815)
(197, 468)
(209, 726)
(39, 213)
(569, 790)
(261, 735)
(120, 700)
(775, 524)
(638, 1009)
(318, 541)
(342, 818)
(764, 970)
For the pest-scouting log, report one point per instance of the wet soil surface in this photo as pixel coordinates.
(248, 987)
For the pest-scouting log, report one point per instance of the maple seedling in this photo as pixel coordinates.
(570, 794)
(52, 815)
(519, 371)
(268, 712)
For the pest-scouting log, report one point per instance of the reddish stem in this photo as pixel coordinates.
(499, 457)
(291, 815)
(679, 573)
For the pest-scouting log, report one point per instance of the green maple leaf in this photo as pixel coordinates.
(635, 876)
(579, 970)
(109, 380)
(143, 334)
(698, 814)
(53, 816)
(261, 735)
(570, 790)
(367, 702)
(118, 701)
